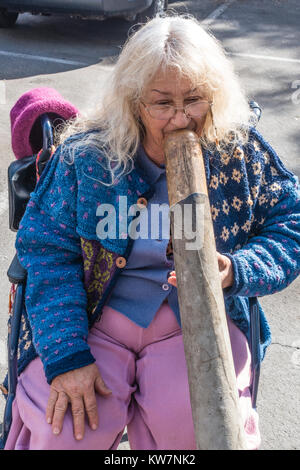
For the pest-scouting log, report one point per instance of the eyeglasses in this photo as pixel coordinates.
(195, 109)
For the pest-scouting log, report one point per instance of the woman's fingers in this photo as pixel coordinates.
(60, 409)
(77, 407)
(90, 404)
(225, 270)
(100, 386)
(172, 279)
(51, 405)
(57, 407)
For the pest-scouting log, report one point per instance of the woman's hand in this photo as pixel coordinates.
(77, 387)
(225, 270)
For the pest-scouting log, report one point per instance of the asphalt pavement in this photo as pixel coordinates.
(262, 38)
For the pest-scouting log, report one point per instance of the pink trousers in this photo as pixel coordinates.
(146, 371)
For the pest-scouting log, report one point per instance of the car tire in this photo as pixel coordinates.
(157, 8)
(7, 18)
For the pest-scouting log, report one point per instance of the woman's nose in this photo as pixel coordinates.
(180, 119)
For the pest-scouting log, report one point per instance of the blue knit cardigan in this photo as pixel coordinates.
(255, 207)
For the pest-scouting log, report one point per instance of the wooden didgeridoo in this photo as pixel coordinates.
(212, 381)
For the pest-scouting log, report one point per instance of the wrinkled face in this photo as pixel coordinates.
(170, 89)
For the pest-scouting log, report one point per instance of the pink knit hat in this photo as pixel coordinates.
(27, 138)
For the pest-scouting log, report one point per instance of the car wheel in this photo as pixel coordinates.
(156, 8)
(7, 18)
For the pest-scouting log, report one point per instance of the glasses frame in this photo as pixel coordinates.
(147, 106)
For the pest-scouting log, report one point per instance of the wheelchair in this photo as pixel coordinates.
(22, 177)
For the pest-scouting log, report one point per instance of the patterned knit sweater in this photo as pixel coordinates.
(255, 206)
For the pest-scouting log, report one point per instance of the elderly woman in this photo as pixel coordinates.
(101, 301)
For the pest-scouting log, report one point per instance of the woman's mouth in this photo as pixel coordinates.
(192, 126)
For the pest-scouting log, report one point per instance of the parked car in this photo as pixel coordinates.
(138, 10)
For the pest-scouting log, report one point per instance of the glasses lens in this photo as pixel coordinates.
(197, 109)
(161, 112)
